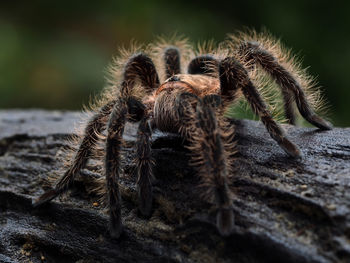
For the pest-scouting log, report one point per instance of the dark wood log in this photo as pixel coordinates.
(286, 210)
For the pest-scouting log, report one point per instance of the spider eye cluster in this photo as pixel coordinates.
(173, 78)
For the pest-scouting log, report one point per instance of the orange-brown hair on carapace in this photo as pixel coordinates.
(175, 87)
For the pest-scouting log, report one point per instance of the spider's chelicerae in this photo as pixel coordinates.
(190, 101)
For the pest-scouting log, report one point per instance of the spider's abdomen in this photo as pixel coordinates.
(165, 108)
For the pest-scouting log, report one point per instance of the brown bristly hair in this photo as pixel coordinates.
(187, 52)
(287, 59)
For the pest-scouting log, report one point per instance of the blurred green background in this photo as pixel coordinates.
(54, 54)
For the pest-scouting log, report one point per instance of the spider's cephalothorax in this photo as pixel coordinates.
(193, 105)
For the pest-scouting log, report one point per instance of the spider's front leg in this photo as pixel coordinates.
(115, 131)
(126, 107)
(133, 110)
(209, 146)
(138, 67)
(121, 113)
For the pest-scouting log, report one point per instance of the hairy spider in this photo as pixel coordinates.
(191, 104)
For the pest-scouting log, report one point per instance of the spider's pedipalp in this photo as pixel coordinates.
(172, 61)
(186, 104)
(209, 154)
(213, 165)
(233, 77)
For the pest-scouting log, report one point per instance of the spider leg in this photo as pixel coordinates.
(144, 163)
(172, 61)
(139, 66)
(92, 131)
(125, 108)
(205, 64)
(233, 77)
(115, 131)
(121, 113)
(253, 52)
(209, 155)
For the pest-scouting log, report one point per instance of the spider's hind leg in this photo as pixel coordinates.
(91, 137)
(254, 53)
(172, 61)
(205, 64)
(234, 77)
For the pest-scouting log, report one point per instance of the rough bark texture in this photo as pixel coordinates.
(286, 210)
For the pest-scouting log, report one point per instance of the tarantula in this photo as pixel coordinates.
(191, 104)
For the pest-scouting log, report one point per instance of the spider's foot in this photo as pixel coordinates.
(321, 123)
(46, 197)
(115, 229)
(145, 200)
(290, 148)
(225, 221)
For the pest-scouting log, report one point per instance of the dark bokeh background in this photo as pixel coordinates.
(54, 54)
